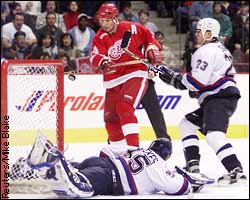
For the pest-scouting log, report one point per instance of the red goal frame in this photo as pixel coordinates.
(59, 106)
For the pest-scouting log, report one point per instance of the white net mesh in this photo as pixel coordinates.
(32, 98)
(24, 180)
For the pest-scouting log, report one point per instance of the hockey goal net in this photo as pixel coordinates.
(31, 102)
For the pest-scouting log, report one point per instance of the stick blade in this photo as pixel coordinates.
(125, 39)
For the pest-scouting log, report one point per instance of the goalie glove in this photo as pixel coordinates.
(171, 77)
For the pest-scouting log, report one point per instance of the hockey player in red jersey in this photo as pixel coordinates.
(127, 82)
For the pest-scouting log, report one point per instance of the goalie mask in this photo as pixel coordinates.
(163, 147)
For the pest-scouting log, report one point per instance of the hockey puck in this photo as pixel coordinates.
(72, 77)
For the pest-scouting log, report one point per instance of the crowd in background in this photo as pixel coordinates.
(65, 29)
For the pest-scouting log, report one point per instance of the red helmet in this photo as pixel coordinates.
(107, 10)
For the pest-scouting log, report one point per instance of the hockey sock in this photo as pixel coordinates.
(114, 131)
(126, 113)
(129, 124)
(132, 139)
(223, 149)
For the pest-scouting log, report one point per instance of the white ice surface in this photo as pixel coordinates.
(210, 165)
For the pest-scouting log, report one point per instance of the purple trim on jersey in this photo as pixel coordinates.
(184, 187)
(190, 137)
(130, 178)
(226, 146)
(211, 87)
(198, 85)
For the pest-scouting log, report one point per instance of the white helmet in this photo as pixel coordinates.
(209, 24)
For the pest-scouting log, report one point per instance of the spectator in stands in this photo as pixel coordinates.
(225, 23)
(19, 49)
(230, 8)
(83, 35)
(126, 13)
(240, 16)
(144, 21)
(168, 56)
(67, 46)
(70, 17)
(8, 31)
(31, 7)
(182, 16)
(67, 63)
(45, 49)
(15, 9)
(245, 43)
(190, 48)
(29, 20)
(160, 7)
(41, 18)
(197, 11)
(240, 40)
(50, 27)
(5, 10)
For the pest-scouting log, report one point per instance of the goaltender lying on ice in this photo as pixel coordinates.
(138, 171)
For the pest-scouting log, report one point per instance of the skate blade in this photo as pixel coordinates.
(228, 183)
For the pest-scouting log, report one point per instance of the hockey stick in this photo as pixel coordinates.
(71, 73)
(124, 46)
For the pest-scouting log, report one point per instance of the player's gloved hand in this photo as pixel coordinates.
(171, 77)
(155, 56)
(106, 66)
(153, 70)
(193, 94)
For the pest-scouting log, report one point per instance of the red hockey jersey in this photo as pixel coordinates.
(109, 46)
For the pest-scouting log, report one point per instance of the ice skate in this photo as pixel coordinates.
(192, 166)
(235, 176)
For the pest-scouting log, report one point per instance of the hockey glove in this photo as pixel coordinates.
(171, 77)
(154, 56)
(106, 66)
(193, 94)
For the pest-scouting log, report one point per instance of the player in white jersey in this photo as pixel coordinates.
(212, 82)
(141, 171)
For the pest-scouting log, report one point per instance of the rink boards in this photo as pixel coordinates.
(83, 109)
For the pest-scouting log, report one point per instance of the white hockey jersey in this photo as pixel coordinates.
(144, 172)
(212, 70)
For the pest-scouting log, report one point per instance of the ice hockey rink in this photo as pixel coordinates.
(210, 166)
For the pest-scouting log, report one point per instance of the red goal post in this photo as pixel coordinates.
(26, 88)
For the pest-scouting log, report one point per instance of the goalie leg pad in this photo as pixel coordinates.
(78, 184)
(43, 153)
